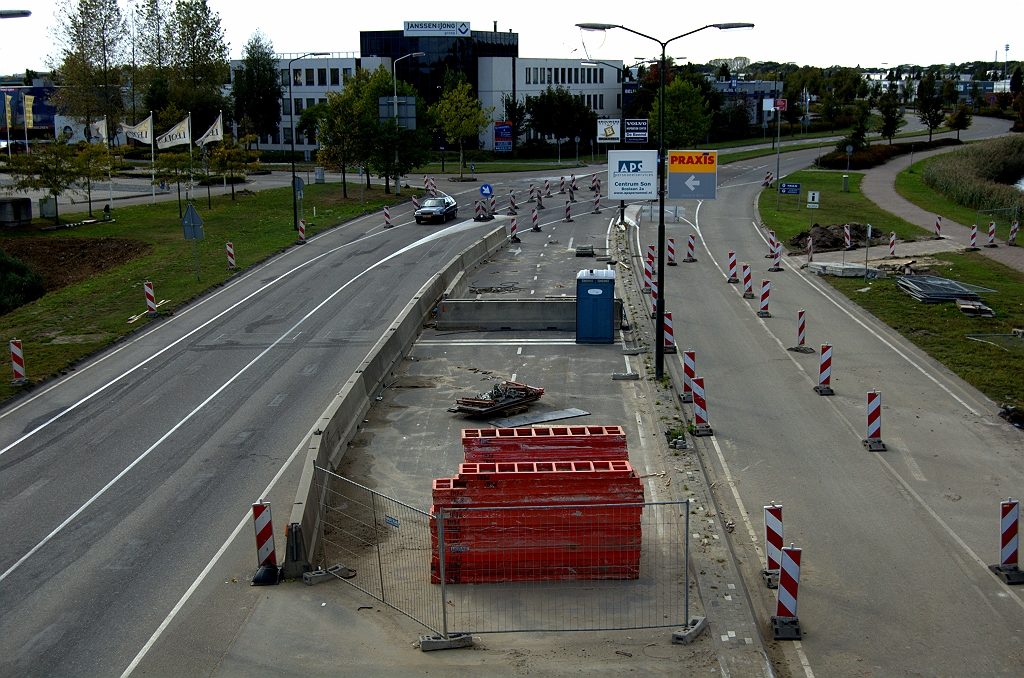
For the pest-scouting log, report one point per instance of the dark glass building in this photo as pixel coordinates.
(426, 73)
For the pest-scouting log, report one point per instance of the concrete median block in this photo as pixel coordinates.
(629, 376)
(431, 643)
(689, 633)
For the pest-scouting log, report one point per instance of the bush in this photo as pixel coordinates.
(979, 176)
(877, 154)
(19, 284)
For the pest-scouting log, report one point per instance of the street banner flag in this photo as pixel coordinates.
(7, 103)
(176, 136)
(215, 133)
(141, 132)
(98, 130)
(29, 122)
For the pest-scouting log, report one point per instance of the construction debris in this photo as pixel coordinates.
(832, 237)
(974, 309)
(507, 398)
(931, 289)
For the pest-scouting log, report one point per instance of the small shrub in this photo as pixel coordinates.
(876, 154)
(19, 284)
(979, 176)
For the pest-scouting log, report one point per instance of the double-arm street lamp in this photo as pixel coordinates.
(394, 79)
(291, 123)
(659, 331)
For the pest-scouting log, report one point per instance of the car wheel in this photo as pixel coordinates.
(418, 220)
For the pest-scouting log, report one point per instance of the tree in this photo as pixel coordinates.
(231, 156)
(559, 113)
(889, 107)
(792, 114)
(173, 167)
(50, 167)
(311, 119)
(929, 104)
(723, 72)
(95, 164)
(949, 93)
(338, 136)
(959, 119)
(256, 89)
(198, 57)
(830, 109)
(460, 115)
(1016, 82)
(687, 118)
(516, 116)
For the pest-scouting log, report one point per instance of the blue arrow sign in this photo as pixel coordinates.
(486, 190)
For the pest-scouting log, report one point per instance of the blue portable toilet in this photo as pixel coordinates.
(595, 307)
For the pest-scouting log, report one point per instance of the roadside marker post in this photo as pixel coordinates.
(777, 259)
(302, 232)
(847, 240)
(151, 311)
(991, 234)
(494, 205)
(266, 557)
(511, 203)
(18, 364)
(572, 194)
(513, 236)
(1008, 569)
(810, 251)
(648, 276)
(748, 289)
(540, 200)
(732, 269)
(568, 212)
(700, 409)
(670, 251)
(1012, 240)
(433, 188)
(771, 245)
(231, 256)
(547, 189)
(974, 239)
(689, 249)
(801, 334)
(415, 202)
(772, 545)
(874, 440)
(597, 203)
(785, 623)
(689, 363)
(561, 185)
(766, 293)
(892, 245)
(938, 228)
(654, 300)
(670, 338)
(387, 217)
(535, 218)
(532, 197)
(651, 257)
(572, 182)
(824, 387)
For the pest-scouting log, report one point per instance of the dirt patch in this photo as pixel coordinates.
(832, 237)
(67, 261)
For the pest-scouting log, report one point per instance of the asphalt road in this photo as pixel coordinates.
(121, 481)
(896, 543)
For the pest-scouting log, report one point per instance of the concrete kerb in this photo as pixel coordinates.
(340, 421)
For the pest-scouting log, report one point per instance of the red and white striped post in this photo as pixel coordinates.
(766, 293)
(568, 211)
(547, 188)
(231, 255)
(991, 234)
(1012, 240)
(648, 276)
(302, 231)
(477, 214)
(776, 258)
(597, 203)
(670, 251)
(824, 387)
(801, 327)
(732, 268)
(150, 299)
(426, 184)
(700, 409)
(974, 239)
(748, 288)
(892, 245)
(266, 556)
(689, 366)
(771, 245)
(670, 337)
(847, 240)
(18, 363)
(874, 439)
(767, 179)
(433, 188)
(572, 182)
(772, 544)
(535, 218)
(689, 249)
(785, 623)
(1008, 569)
(415, 202)
(494, 205)
(572, 194)
(651, 255)
(810, 250)
(561, 185)
(938, 227)
(513, 235)
(654, 299)
(532, 197)
(593, 181)
(540, 200)
(511, 202)
(387, 217)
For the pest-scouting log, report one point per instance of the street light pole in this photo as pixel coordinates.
(394, 79)
(291, 124)
(659, 327)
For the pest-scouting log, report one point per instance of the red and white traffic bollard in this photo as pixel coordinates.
(670, 337)
(266, 556)
(593, 181)
(532, 197)
(536, 220)
(231, 256)
(572, 182)
(670, 251)
(1012, 240)
(648, 275)
(810, 251)
(547, 189)
(511, 202)
(302, 231)
(938, 227)
(572, 194)
(767, 179)
(700, 409)
(540, 200)
(651, 255)
(689, 249)
(415, 202)
(494, 205)
(477, 214)
(561, 185)
(785, 623)
(974, 239)
(771, 245)
(433, 188)
(597, 203)
(689, 367)
(991, 234)
(801, 328)
(892, 245)
(824, 387)
(748, 288)
(1008, 569)
(732, 268)
(847, 240)
(874, 440)
(568, 211)
(18, 363)
(387, 217)
(654, 299)
(766, 293)
(426, 184)
(513, 234)
(772, 544)
(776, 258)
(150, 299)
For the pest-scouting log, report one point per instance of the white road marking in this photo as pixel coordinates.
(640, 430)
(569, 248)
(495, 342)
(520, 351)
(803, 659)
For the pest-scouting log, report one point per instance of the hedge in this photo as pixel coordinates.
(878, 154)
(979, 176)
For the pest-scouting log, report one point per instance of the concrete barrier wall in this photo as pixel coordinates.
(339, 422)
(512, 314)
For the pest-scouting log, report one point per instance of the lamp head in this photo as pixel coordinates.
(732, 26)
(597, 27)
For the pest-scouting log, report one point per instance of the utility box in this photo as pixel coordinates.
(318, 173)
(595, 307)
(15, 211)
(48, 207)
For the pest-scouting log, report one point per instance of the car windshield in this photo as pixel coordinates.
(434, 202)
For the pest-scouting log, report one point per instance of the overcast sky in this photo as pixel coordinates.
(821, 33)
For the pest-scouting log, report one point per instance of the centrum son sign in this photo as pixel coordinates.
(633, 175)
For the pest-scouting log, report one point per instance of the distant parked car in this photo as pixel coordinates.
(441, 208)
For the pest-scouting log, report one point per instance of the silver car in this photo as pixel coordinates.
(440, 209)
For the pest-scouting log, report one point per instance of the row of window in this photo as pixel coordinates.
(286, 108)
(564, 76)
(314, 77)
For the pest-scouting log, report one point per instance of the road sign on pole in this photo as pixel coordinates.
(692, 175)
(192, 223)
(486, 190)
(789, 189)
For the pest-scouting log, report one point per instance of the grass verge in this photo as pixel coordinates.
(836, 207)
(940, 329)
(68, 324)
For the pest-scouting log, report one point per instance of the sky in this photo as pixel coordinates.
(868, 33)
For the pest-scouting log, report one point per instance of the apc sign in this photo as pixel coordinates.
(633, 175)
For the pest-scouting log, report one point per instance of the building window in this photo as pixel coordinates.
(618, 76)
(335, 78)
(563, 74)
(536, 78)
(287, 135)
(284, 77)
(286, 106)
(309, 77)
(274, 138)
(310, 103)
(346, 71)
(589, 75)
(298, 106)
(556, 76)
(311, 137)
(576, 75)
(600, 101)
(321, 77)
(589, 105)
(527, 75)
(321, 101)
(549, 76)
(297, 77)
(602, 75)
(618, 101)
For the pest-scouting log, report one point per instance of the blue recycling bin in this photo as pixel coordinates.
(595, 307)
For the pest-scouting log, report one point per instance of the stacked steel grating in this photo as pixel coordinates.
(545, 443)
(538, 521)
(930, 289)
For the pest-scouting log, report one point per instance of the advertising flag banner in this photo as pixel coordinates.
(176, 136)
(29, 100)
(7, 104)
(142, 132)
(215, 133)
(98, 129)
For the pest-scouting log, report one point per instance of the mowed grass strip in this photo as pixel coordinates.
(67, 325)
(835, 207)
(941, 330)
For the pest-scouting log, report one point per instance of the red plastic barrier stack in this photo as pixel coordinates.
(554, 443)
